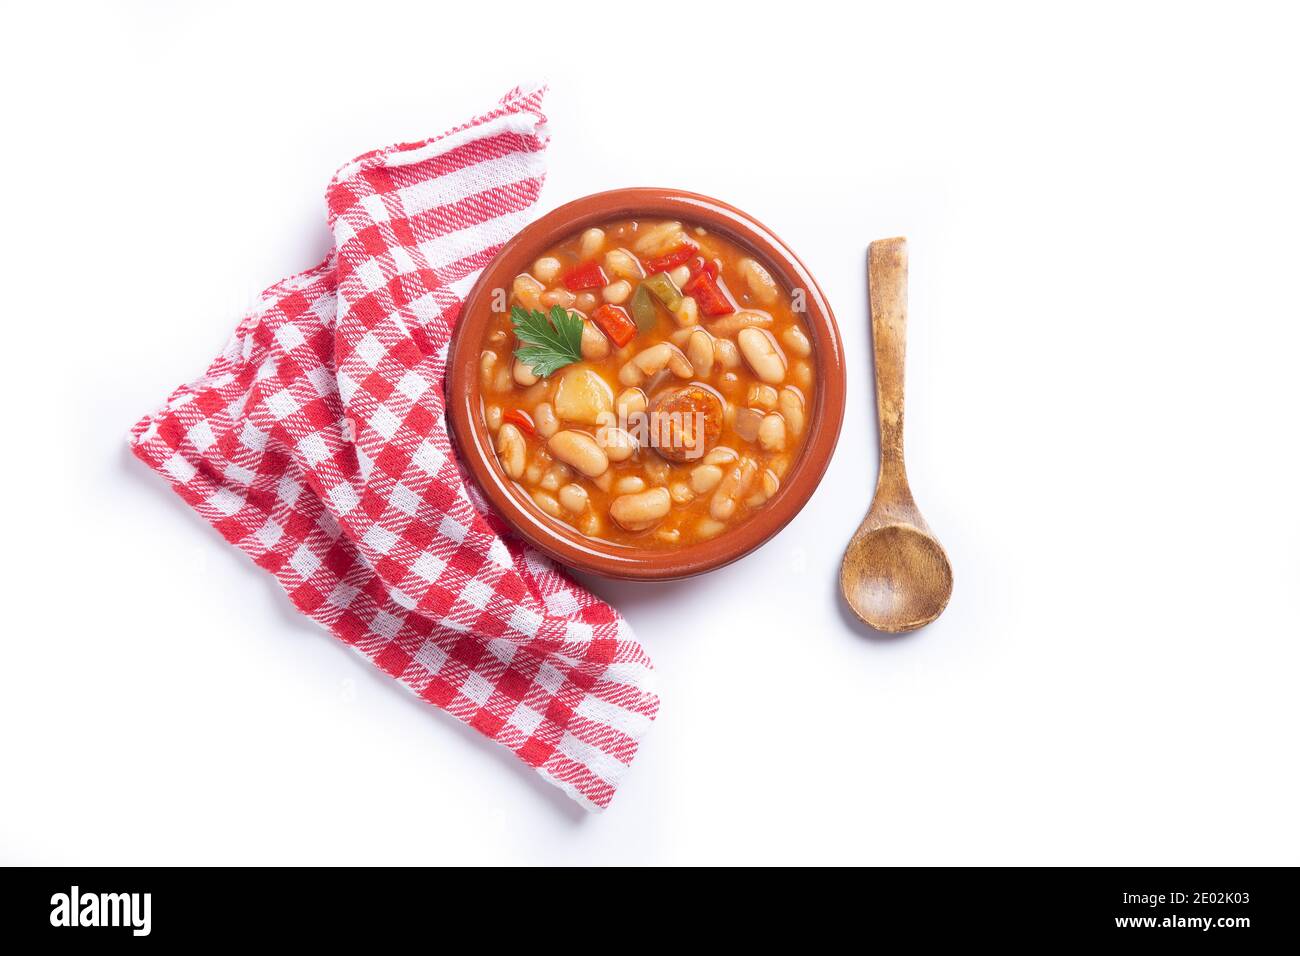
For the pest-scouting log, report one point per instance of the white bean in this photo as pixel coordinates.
(708, 528)
(656, 469)
(792, 409)
(573, 498)
(699, 351)
(623, 264)
(628, 485)
(726, 353)
(761, 284)
(768, 484)
(630, 401)
(617, 292)
(527, 290)
(680, 276)
(487, 363)
(688, 313)
(652, 361)
(744, 319)
(546, 269)
(618, 444)
(771, 432)
(585, 302)
(802, 375)
(704, 478)
(493, 416)
(592, 241)
(734, 484)
(511, 450)
(558, 474)
(639, 511)
(561, 297)
(721, 455)
(544, 420)
(763, 354)
(547, 503)
(658, 239)
(594, 344)
(523, 374)
(762, 396)
(681, 492)
(533, 474)
(796, 341)
(579, 450)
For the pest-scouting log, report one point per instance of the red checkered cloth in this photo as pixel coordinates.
(317, 444)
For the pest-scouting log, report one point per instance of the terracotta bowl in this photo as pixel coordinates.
(565, 544)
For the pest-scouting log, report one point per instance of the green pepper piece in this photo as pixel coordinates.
(643, 309)
(664, 290)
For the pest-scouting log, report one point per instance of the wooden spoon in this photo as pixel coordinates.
(895, 575)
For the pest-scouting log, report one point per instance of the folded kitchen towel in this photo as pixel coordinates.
(317, 444)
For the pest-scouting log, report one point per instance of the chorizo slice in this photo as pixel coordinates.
(685, 422)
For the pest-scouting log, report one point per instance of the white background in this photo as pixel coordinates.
(1102, 208)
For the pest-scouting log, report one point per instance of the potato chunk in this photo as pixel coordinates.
(583, 397)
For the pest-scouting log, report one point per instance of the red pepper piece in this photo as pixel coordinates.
(589, 275)
(704, 289)
(520, 419)
(614, 321)
(700, 264)
(672, 259)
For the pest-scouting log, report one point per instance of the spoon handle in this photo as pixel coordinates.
(887, 285)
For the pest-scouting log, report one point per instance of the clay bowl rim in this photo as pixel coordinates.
(568, 546)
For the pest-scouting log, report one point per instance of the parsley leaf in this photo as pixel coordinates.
(547, 344)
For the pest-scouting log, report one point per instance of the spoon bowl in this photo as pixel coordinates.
(896, 578)
(895, 575)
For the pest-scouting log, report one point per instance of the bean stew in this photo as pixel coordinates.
(648, 383)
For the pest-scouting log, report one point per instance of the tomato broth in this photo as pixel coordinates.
(649, 383)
